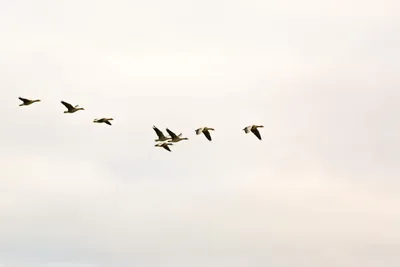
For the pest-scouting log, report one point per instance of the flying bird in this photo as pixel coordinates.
(160, 134)
(71, 109)
(205, 131)
(103, 120)
(254, 130)
(175, 138)
(164, 145)
(27, 102)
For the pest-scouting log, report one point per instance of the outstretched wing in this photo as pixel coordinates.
(23, 99)
(107, 122)
(67, 105)
(171, 133)
(158, 132)
(256, 133)
(207, 135)
(167, 148)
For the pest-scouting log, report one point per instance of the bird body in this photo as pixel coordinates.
(175, 138)
(71, 109)
(254, 130)
(27, 102)
(205, 131)
(164, 145)
(160, 134)
(103, 120)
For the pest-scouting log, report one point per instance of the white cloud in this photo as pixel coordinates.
(320, 189)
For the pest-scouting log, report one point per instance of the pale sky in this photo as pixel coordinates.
(321, 189)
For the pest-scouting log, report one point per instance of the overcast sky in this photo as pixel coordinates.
(321, 189)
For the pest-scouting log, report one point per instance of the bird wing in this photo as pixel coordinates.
(107, 122)
(23, 99)
(67, 105)
(167, 148)
(207, 135)
(158, 132)
(256, 133)
(171, 133)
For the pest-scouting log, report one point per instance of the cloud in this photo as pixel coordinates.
(320, 189)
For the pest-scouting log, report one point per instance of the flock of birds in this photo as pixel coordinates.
(162, 140)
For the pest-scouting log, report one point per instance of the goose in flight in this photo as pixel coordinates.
(103, 120)
(254, 130)
(71, 109)
(160, 134)
(205, 131)
(27, 102)
(164, 145)
(175, 138)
